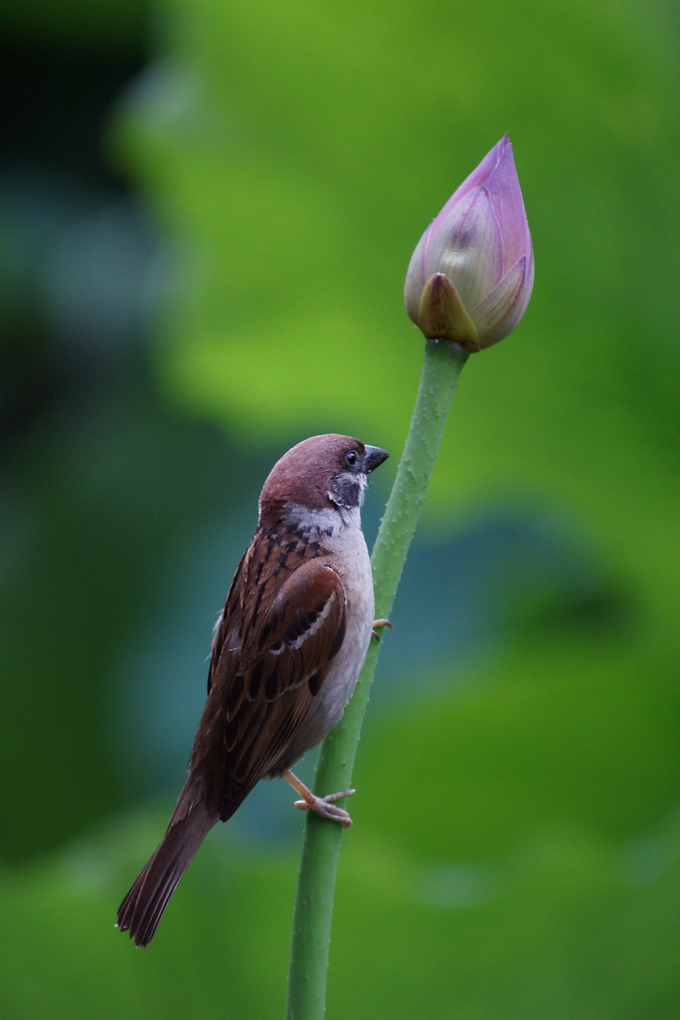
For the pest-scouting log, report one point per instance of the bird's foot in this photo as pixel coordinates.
(323, 806)
(380, 625)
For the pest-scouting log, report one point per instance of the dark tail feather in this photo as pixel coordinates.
(143, 907)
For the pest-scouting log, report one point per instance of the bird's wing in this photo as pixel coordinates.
(228, 620)
(268, 665)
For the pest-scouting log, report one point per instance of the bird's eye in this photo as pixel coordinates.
(351, 458)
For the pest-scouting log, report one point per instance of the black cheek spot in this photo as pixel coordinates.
(347, 490)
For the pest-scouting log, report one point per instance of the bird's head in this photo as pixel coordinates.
(322, 473)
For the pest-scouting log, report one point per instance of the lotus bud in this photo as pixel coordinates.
(471, 274)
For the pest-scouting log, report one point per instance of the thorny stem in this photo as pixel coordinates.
(442, 366)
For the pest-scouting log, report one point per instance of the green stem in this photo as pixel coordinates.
(442, 366)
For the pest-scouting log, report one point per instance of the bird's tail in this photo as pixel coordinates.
(143, 907)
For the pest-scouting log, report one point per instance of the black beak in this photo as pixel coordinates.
(374, 457)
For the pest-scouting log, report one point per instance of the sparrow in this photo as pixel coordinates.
(286, 653)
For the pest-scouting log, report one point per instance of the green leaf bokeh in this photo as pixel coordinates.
(516, 852)
(300, 153)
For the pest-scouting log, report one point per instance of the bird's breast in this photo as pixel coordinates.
(349, 557)
(346, 553)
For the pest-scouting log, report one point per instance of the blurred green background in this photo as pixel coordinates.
(208, 210)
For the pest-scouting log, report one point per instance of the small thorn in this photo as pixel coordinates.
(379, 624)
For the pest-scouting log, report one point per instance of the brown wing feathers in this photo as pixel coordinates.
(143, 907)
(264, 688)
(270, 657)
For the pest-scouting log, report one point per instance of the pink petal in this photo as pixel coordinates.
(467, 246)
(506, 197)
(479, 176)
(501, 310)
